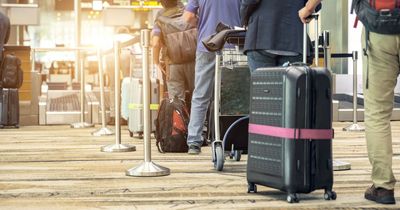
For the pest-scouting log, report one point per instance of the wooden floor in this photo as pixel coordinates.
(56, 167)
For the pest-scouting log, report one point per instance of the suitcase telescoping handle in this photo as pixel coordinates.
(305, 43)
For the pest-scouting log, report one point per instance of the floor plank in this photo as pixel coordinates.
(56, 167)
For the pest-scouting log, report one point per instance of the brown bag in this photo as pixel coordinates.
(180, 38)
(11, 74)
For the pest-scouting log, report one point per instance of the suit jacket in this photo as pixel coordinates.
(273, 25)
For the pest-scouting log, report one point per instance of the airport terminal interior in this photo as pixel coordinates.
(83, 141)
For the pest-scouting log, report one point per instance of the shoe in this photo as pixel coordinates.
(122, 121)
(194, 150)
(380, 195)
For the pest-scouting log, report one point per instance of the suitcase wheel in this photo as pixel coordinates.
(330, 195)
(251, 188)
(292, 198)
(130, 133)
(16, 126)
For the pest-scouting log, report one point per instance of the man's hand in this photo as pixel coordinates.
(307, 10)
(304, 14)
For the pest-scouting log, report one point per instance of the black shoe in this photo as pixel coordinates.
(194, 150)
(380, 195)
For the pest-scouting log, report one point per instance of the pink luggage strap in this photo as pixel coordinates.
(292, 133)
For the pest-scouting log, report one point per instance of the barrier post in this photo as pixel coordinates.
(103, 131)
(327, 53)
(147, 168)
(79, 67)
(355, 126)
(117, 147)
(338, 165)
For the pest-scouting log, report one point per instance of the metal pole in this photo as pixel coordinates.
(103, 131)
(82, 71)
(327, 56)
(316, 41)
(217, 99)
(354, 126)
(305, 43)
(338, 165)
(117, 147)
(147, 167)
(79, 66)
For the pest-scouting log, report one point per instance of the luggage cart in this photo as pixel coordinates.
(229, 118)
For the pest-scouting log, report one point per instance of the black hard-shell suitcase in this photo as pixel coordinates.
(9, 107)
(290, 130)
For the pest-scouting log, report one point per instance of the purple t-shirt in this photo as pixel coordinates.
(210, 13)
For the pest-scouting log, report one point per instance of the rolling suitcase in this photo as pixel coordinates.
(9, 107)
(135, 105)
(125, 97)
(290, 130)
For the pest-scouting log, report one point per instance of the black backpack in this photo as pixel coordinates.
(379, 16)
(11, 74)
(180, 38)
(172, 126)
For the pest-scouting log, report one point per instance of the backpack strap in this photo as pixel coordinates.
(292, 133)
(158, 146)
(365, 50)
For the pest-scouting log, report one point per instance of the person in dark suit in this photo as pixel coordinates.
(4, 32)
(274, 32)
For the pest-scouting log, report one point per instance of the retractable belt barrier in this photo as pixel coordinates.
(147, 168)
(103, 131)
(117, 147)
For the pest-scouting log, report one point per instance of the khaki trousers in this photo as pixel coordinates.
(380, 71)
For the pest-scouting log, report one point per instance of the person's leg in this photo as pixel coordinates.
(189, 76)
(204, 85)
(260, 58)
(176, 82)
(381, 69)
(189, 83)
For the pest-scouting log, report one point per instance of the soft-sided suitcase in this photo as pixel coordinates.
(9, 107)
(135, 105)
(290, 130)
(125, 97)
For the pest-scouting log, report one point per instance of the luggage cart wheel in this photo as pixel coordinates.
(219, 158)
(292, 198)
(231, 154)
(237, 155)
(330, 195)
(16, 126)
(251, 188)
